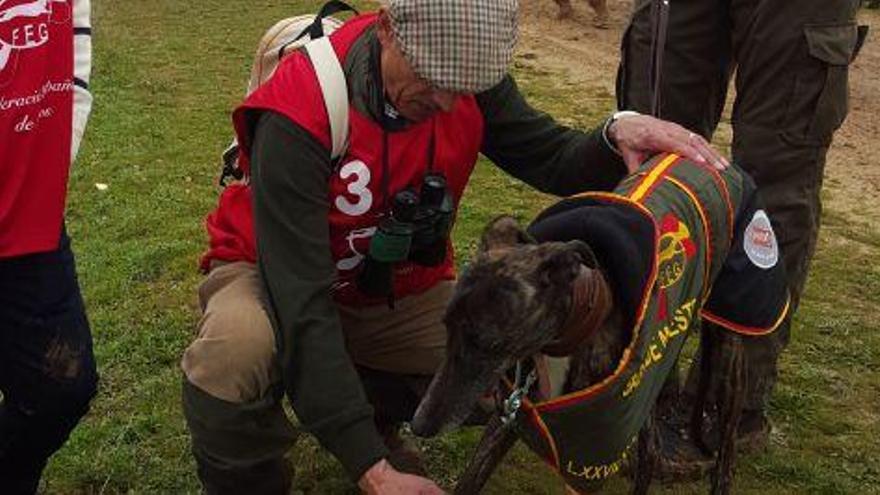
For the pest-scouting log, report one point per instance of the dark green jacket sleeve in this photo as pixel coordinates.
(532, 147)
(290, 180)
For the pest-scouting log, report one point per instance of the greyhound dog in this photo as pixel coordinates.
(607, 299)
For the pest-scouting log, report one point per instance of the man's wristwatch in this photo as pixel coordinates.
(615, 117)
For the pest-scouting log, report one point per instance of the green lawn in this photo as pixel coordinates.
(167, 73)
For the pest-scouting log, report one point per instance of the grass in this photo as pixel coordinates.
(167, 74)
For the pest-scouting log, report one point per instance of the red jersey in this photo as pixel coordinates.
(356, 196)
(36, 121)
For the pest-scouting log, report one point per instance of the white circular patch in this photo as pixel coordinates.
(760, 242)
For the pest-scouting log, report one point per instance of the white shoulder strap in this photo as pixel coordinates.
(335, 92)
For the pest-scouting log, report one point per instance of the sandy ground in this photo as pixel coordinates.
(853, 170)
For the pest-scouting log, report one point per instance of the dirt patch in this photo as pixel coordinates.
(62, 362)
(585, 54)
(589, 56)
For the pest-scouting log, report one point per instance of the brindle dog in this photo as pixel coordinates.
(514, 301)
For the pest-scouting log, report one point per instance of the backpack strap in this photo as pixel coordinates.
(331, 78)
(334, 90)
(316, 30)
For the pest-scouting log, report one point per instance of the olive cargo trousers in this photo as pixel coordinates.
(791, 63)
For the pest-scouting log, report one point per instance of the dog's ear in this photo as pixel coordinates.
(585, 252)
(504, 232)
(565, 265)
(560, 269)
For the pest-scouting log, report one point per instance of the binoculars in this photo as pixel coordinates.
(416, 230)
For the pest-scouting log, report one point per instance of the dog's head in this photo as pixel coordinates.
(511, 302)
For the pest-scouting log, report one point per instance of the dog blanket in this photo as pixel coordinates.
(679, 241)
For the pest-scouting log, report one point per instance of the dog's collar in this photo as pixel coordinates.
(591, 303)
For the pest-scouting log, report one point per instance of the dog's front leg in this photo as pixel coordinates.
(497, 439)
(730, 406)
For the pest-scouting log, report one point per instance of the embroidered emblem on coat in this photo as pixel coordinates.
(760, 243)
(675, 249)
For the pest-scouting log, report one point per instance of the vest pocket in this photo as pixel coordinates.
(819, 101)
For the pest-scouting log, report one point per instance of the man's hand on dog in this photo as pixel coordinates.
(640, 136)
(383, 479)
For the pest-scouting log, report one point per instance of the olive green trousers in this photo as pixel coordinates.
(790, 60)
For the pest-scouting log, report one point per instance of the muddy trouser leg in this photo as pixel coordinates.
(231, 391)
(47, 369)
(791, 96)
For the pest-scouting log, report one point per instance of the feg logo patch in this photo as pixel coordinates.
(760, 243)
(676, 248)
(24, 25)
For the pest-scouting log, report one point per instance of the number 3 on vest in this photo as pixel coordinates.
(359, 188)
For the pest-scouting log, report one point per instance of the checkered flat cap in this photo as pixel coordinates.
(463, 46)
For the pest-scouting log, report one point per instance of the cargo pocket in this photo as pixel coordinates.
(819, 100)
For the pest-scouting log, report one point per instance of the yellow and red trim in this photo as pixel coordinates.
(744, 329)
(728, 202)
(652, 180)
(538, 422)
(631, 183)
(535, 418)
(707, 231)
(721, 184)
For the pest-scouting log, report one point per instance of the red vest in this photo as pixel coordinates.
(356, 198)
(36, 115)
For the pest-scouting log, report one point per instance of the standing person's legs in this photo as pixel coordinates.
(791, 96)
(231, 390)
(47, 369)
(696, 64)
